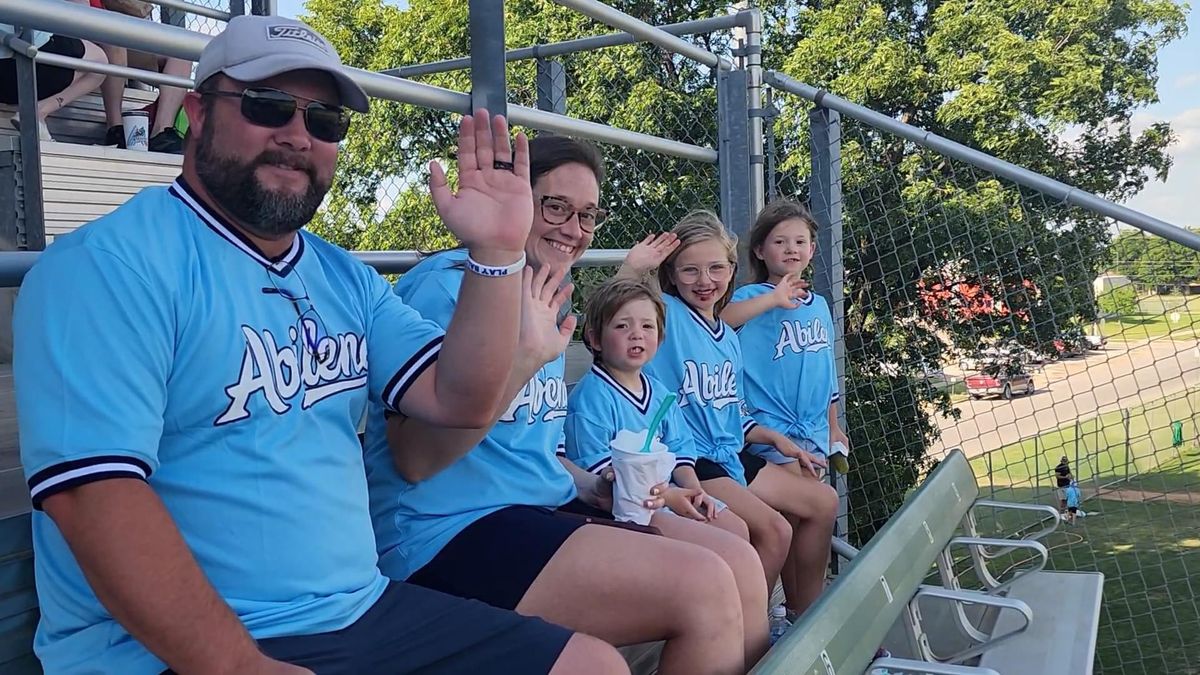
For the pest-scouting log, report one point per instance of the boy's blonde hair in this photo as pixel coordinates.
(697, 227)
(607, 299)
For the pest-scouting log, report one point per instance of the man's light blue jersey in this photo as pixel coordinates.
(791, 377)
(515, 464)
(702, 363)
(600, 406)
(158, 344)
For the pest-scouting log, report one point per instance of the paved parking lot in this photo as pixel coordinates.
(1122, 375)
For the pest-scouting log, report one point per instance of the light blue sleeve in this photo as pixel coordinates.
(401, 344)
(749, 291)
(94, 343)
(428, 292)
(587, 437)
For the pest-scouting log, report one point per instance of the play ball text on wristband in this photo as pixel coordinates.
(495, 271)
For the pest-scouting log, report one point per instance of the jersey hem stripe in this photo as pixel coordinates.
(600, 466)
(394, 392)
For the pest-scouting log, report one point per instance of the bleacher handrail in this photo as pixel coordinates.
(111, 28)
(15, 264)
(640, 29)
(583, 44)
(147, 76)
(982, 160)
(191, 8)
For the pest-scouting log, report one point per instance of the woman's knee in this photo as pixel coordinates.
(586, 654)
(827, 502)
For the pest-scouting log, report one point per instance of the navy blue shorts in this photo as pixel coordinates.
(416, 630)
(497, 558)
(751, 465)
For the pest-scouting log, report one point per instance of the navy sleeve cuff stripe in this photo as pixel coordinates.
(836, 398)
(600, 466)
(685, 461)
(71, 474)
(394, 392)
(748, 425)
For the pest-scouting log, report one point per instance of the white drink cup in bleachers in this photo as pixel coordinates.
(137, 129)
(637, 473)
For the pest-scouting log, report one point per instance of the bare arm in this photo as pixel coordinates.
(491, 213)
(420, 449)
(142, 571)
(645, 257)
(786, 292)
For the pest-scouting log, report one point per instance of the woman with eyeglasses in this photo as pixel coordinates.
(498, 516)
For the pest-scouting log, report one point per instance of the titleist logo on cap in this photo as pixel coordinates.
(296, 33)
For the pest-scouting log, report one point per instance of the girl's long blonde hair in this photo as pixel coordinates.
(696, 227)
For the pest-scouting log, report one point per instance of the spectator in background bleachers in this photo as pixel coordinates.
(163, 135)
(56, 86)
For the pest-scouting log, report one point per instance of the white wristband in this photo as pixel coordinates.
(493, 271)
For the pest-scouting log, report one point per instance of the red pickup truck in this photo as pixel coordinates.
(1006, 384)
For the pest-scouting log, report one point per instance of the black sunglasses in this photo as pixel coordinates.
(273, 108)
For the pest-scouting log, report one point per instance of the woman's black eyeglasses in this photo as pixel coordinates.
(557, 211)
(273, 108)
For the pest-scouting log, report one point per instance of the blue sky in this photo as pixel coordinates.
(1179, 91)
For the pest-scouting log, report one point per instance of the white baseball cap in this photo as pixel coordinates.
(254, 48)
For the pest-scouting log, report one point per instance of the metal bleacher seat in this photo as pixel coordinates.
(1010, 626)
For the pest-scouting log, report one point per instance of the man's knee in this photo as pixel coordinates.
(586, 654)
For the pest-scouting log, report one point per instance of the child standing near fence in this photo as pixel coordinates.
(787, 334)
(623, 328)
(701, 360)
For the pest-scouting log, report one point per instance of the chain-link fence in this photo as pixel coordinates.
(983, 315)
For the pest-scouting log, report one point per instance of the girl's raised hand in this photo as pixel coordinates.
(790, 290)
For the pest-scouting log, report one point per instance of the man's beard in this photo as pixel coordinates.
(236, 189)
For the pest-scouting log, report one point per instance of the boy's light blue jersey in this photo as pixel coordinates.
(515, 464)
(1073, 496)
(154, 344)
(702, 363)
(600, 406)
(791, 377)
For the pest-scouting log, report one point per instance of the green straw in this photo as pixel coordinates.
(668, 401)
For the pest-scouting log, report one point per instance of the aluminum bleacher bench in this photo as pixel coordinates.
(1029, 622)
(18, 599)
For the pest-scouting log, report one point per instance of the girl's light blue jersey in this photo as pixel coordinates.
(600, 406)
(702, 363)
(791, 376)
(515, 464)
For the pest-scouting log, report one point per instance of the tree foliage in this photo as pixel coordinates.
(1050, 86)
(1152, 260)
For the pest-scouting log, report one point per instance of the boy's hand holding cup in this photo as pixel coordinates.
(638, 474)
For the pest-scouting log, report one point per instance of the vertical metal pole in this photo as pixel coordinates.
(768, 126)
(991, 478)
(1037, 471)
(733, 150)
(825, 150)
(31, 151)
(262, 7)
(551, 86)
(237, 7)
(1077, 431)
(487, 56)
(1128, 451)
(754, 88)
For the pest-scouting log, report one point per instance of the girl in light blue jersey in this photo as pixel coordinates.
(701, 359)
(787, 334)
(623, 327)
(494, 514)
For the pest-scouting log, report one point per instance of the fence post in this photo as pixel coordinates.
(733, 150)
(770, 112)
(1128, 451)
(31, 151)
(991, 478)
(551, 86)
(1078, 431)
(488, 90)
(237, 7)
(1037, 470)
(754, 88)
(263, 7)
(825, 191)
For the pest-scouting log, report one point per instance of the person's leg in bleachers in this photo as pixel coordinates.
(84, 83)
(113, 93)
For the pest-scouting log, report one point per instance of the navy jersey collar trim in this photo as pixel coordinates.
(642, 403)
(280, 265)
(716, 332)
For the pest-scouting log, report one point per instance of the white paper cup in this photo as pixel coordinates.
(636, 473)
(137, 129)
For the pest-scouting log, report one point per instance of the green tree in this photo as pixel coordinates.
(1009, 77)
(1120, 301)
(1148, 259)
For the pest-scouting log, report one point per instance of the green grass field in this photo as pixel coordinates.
(1174, 316)
(1142, 533)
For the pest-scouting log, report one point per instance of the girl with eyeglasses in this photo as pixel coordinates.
(701, 359)
(500, 515)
